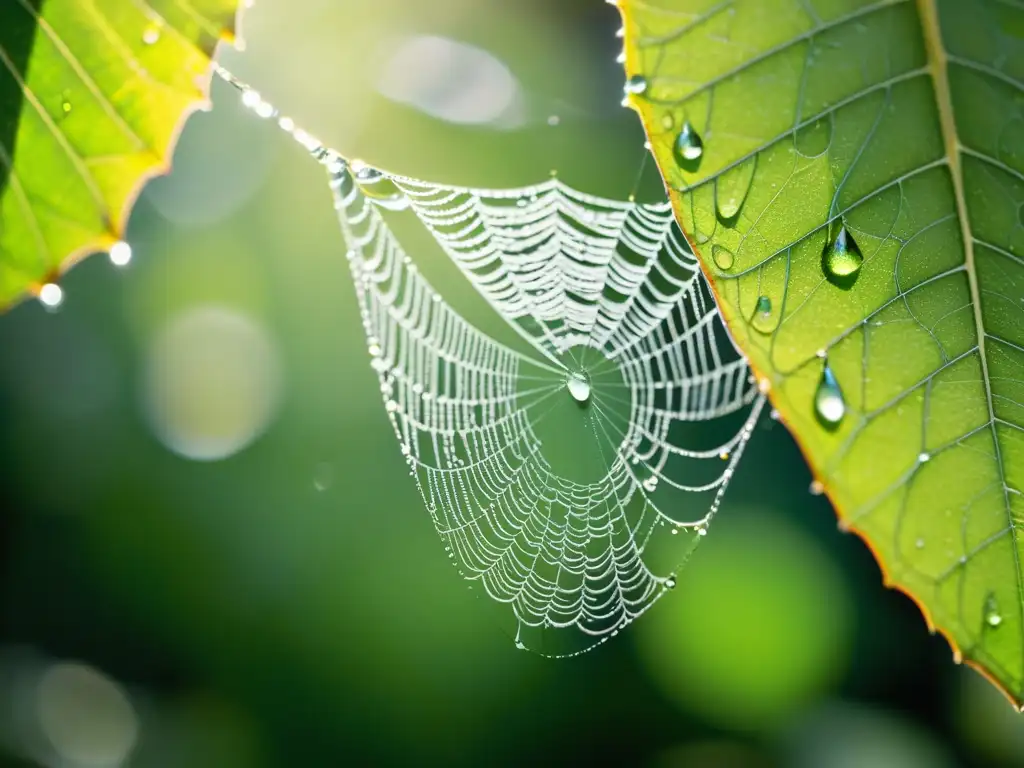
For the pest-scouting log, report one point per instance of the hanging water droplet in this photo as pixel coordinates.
(723, 257)
(688, 147)
(841, 260)
(829, 405)
(636, 84)
(702, 530)
(723, 455)
(993, 617)
(578, 385)
(379, 188)
(120, 253)
(51, 296)
(923, 457)
(151, 35)
(817, 488)
(670, 582)
(764, 305)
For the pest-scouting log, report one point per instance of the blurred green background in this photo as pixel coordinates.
(213, 555)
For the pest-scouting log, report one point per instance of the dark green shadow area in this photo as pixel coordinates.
(17, 34)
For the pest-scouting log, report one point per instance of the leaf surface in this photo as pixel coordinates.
(92, 93)
(851, 175)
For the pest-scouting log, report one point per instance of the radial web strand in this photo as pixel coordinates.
(570, 468)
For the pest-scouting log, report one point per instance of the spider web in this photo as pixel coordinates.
(569, 472)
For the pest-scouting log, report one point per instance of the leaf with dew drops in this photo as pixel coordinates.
(92, 96)
(861, 168)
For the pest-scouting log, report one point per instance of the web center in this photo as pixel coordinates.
(578, 385)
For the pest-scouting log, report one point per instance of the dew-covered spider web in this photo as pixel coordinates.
(571, 467)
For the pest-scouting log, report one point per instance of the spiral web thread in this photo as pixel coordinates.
(608, 298)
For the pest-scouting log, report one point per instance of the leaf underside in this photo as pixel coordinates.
(902, 122)
(92, 94)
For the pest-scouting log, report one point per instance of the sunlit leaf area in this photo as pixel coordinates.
(215, 555)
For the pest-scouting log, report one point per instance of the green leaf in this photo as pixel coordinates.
(92, 93)
(851, 174)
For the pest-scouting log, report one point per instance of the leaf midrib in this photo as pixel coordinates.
(938, 61)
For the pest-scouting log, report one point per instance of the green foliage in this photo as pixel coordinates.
(92, 93)
(851, 174)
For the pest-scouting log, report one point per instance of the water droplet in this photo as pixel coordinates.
(670, 582)
(702, 531)
(723, 257)
(919, 543)
(829, 405)
(120, 253)
(688, 148)
(923, 456)
(763, 321)
(636, 84)
(991, 610)
(723, 455)
(51, 295)
(554, 120)
(379, 188)
(253, 101)
(675, 531)
(151, 35)
(817, 488)
(731, 190)
(65, 103)
(621, 58)
(841, 260)
(774, 415)
(578, 385)
(667, 121)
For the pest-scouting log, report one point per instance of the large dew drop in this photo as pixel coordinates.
(723, 257)
(688, 148)
(379, 188)
(829, 404)
(579, 387)
(841, 260)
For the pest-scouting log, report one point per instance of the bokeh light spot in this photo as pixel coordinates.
(452, 81)
(85, 715)
(212, 383)
(757, 627)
